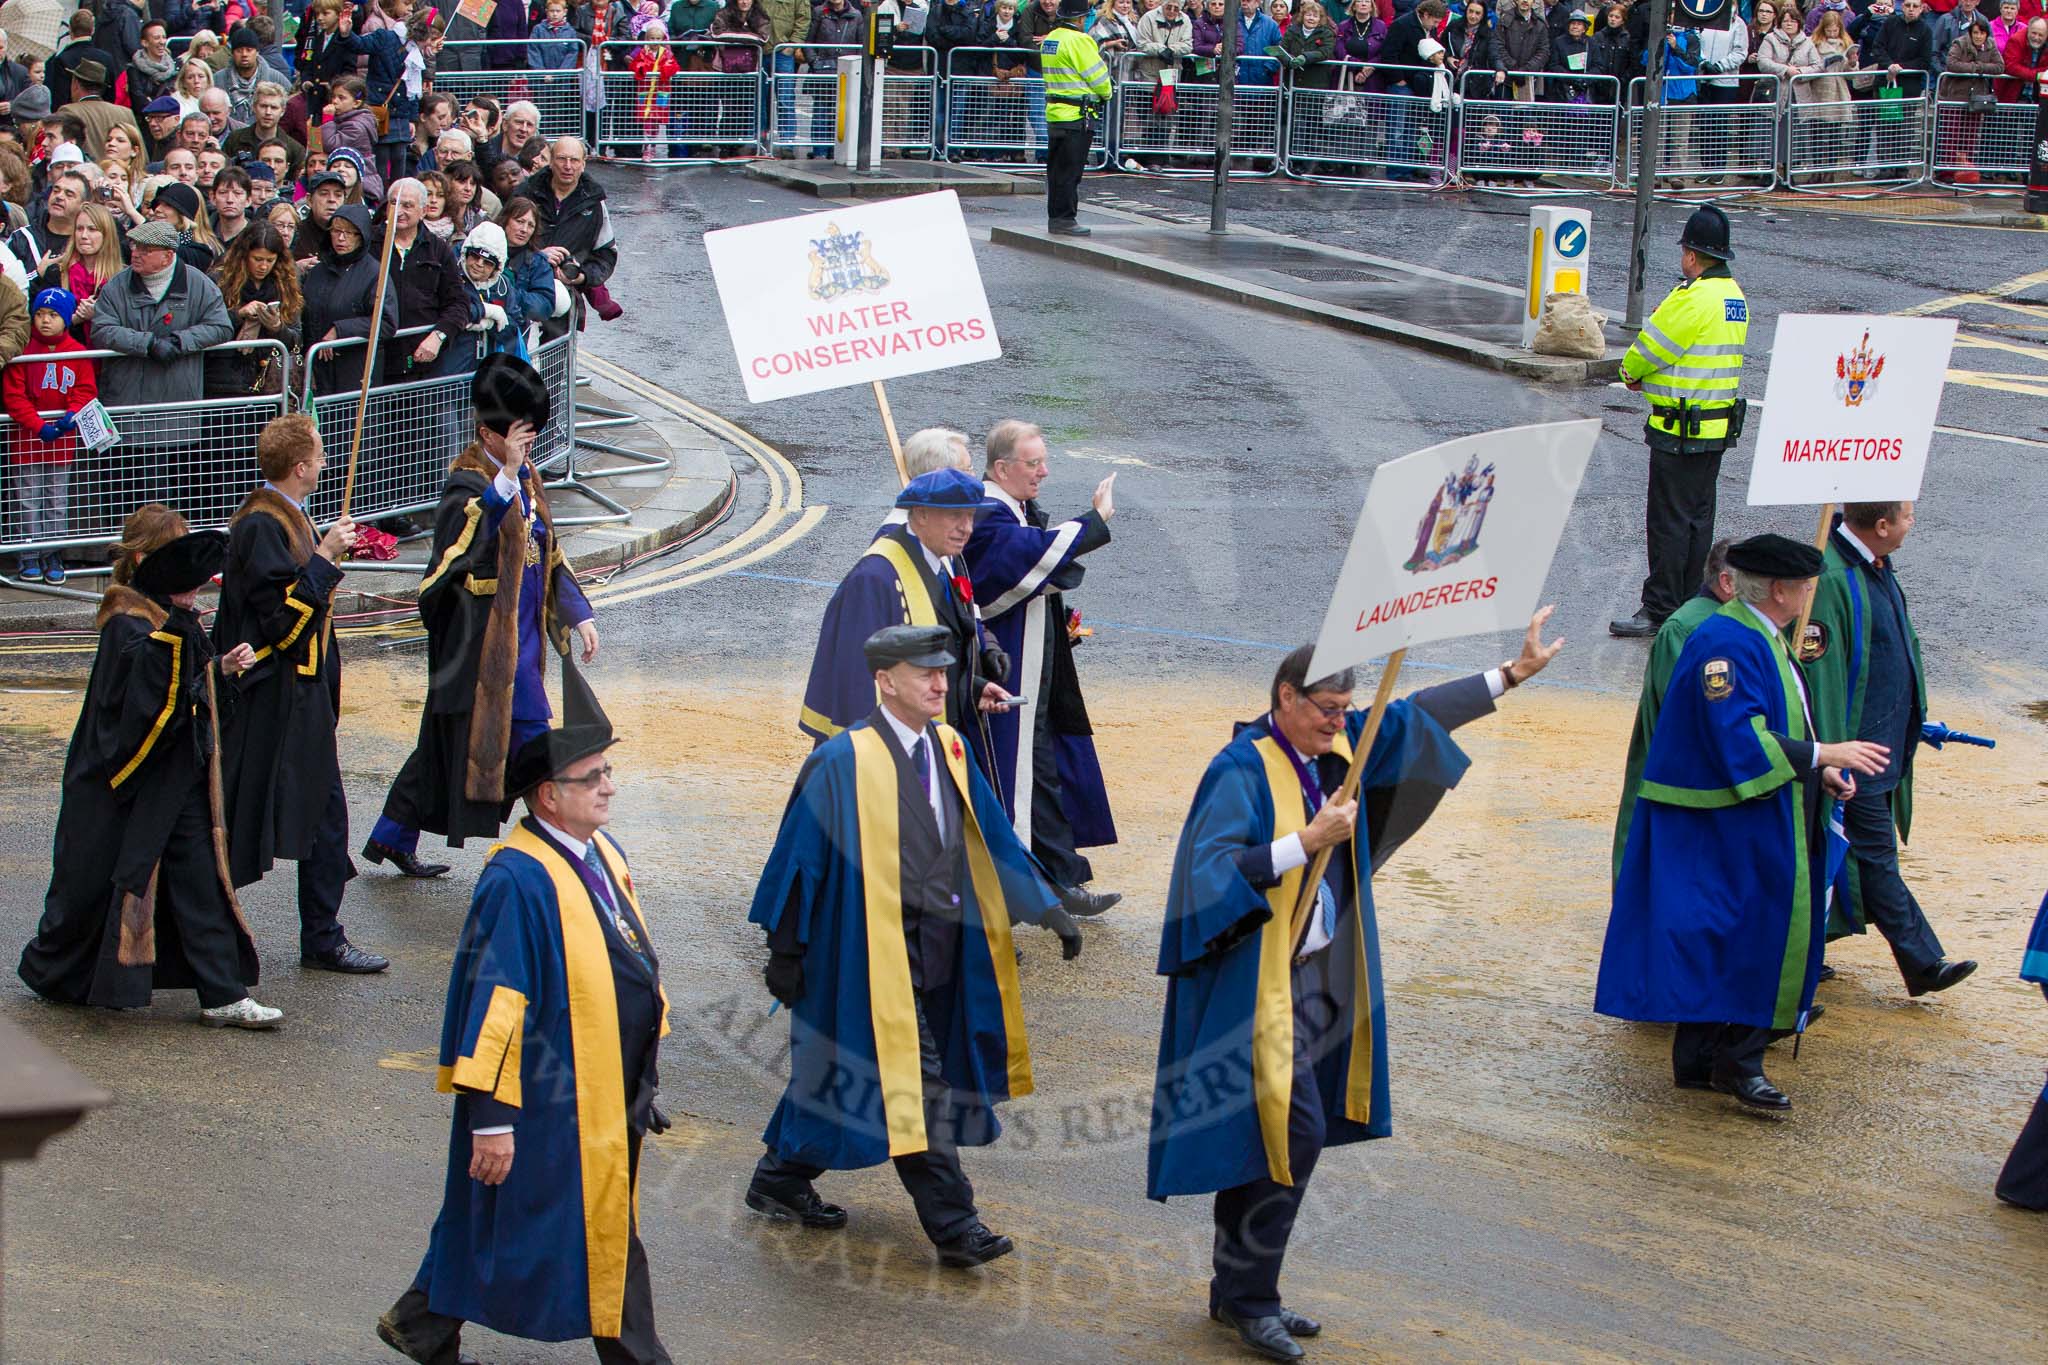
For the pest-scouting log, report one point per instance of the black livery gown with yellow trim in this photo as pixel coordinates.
(534, 1022)
(146, 747)
(856, 1093)
(278, 756)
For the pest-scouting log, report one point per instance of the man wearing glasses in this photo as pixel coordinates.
(1275, 1042)
(555, 1015)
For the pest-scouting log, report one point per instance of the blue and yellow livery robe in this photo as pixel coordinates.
(1226, 1047)
(1718, 909)
(533, 1022)
(855, 1096)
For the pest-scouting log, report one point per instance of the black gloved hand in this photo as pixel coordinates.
(995, 664)
(1060, 922)
(657, 1122)
(785, 977)
(163, 350)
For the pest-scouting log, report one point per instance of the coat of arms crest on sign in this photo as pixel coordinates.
(1856, 373)
(844, 263)
(1449, 529)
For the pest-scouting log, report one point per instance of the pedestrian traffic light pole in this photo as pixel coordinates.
(1304, 909)
(1226, 88)
(1646, 164)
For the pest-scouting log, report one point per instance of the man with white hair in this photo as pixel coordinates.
(520, 126)
(452, 146)
(214, 104)
(1044, 752)
(575, 229)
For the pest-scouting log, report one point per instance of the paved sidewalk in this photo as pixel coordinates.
(663, 505)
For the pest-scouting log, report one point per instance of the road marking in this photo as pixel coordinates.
(785, 496)
(1992, 295)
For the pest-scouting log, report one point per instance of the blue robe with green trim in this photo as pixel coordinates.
(1721, 899)
(1219, 928)
(832, 1114)
(518, 1257)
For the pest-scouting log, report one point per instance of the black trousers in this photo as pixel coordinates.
(188, 892)
(322, 874)
(1704, 1051)
(439, 1336)
(1066, 151)
(938, 1187)
(1678, 527)
(1052, 838)
(2024, 1181)
(1254, 1221)
(1887, 900)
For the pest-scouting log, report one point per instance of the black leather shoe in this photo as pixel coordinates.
(1940, 977)
(407, 863)
(1638, 627)
(804, 1207)
(1068, 228)
(345, 958)
(1827, 973)
(1299, 1324)
(1267, 1337)
(1085, 903)
(976, 1246)
(388, 1332)
(1814, 1014)
(1754, 1091)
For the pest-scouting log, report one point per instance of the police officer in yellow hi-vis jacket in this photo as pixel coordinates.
(1687, 361)
(1076, 89)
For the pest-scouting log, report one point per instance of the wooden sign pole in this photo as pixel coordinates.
(889, 425)
(1820, 542)
(355, 445)
(1304, 910)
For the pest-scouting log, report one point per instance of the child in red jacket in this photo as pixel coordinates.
(46, 379)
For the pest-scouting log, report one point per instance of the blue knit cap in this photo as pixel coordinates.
(941, 488)
(62, 302)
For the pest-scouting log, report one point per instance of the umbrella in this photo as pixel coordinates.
(34, 27)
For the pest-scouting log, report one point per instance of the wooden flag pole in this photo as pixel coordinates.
(1304, 910)
(889, 425)
(1820, 542)
(355, 445)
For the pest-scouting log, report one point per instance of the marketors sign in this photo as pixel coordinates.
(1849, 409)
(852, 295)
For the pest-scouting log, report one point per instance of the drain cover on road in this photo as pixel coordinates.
(1336, 275)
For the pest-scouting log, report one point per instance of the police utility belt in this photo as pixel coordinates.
(1689, 417)
(1091, 110)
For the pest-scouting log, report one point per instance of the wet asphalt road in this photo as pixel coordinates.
(1545, 1197)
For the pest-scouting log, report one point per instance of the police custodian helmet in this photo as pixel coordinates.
(1707, 233)
(1074, 9)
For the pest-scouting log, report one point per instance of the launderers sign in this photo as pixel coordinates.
(852, 295)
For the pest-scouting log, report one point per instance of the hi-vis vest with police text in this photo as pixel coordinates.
(1689, 354)
(1072, 66)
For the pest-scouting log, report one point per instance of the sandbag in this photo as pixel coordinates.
(1570, 327)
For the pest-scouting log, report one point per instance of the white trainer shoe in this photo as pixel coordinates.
(244, 1013)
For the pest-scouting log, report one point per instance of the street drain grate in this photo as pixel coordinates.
(1335, 275)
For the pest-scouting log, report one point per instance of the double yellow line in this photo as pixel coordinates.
(785, 510)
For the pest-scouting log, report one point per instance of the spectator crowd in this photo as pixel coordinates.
(167, 193)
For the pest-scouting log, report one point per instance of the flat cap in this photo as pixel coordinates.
(320, 178)
(548, 753)
(950, 488)
(1771, 555)
(923, 646)
(162, 104)
(156, 233)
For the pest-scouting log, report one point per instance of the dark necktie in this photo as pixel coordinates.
(919, 759)
(1035, 514)
(598, 878)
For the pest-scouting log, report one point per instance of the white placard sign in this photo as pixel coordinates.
(1454, 540)
(96, 427)
(850, 295)
(1849, 408)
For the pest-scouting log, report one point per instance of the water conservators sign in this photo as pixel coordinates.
(1454, 540)
(851, 295)
(1849, 409)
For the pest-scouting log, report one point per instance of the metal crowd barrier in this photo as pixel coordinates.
(1833, 138)
(700, 116)
(465, 70)
(198, 456)
(1501, 137)
(806, 101)
(1698, 140)
(986, 120)
(1994, 141)
(1185, 141)
(1369, 128)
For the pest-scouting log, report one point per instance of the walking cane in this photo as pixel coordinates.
(355, 445)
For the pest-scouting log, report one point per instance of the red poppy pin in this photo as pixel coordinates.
(958, 752)
(167, 319)
(964, 586)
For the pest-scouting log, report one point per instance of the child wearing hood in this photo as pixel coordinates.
(501, 325)
(46, 379)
